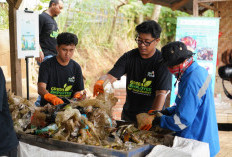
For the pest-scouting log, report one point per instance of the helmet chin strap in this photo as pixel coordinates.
(178, 76)
(181, 69)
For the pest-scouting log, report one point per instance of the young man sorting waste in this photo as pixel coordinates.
(60, 76)
(147, 80)
(194, 115)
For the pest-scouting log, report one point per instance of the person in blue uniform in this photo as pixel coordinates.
(194, 115)
(8, 139)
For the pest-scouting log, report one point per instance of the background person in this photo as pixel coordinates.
(8, 139)
(147, 80)
(60, 76)
(194, 115)
(48, 30)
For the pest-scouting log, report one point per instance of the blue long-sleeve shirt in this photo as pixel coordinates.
(194, 115)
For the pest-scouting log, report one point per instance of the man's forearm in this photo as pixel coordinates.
(42, 89)
(159, 100)
(42, 92)
(111, 78)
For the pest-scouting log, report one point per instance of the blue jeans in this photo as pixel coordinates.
(45, 58)
(37, 103)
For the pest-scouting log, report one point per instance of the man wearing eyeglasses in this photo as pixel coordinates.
(148, 82)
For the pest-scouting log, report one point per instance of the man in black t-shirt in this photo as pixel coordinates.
(48, 30)
(148, 82)
(60, 76)
(8, 139)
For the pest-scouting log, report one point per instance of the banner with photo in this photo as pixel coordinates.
(200, 34)
(27, 34)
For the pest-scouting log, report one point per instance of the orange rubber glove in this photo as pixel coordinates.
(53, 99)
(98, 88)
(80, 96)
(151, 112)
(145, 121)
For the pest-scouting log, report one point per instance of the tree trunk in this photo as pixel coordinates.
(139, 19)
(115, 19)
(156, 13)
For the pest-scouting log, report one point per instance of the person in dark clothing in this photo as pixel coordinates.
(48, 30)
(148, 82)
(60, 76)
(8, 139)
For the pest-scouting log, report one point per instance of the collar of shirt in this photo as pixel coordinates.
(189, 69)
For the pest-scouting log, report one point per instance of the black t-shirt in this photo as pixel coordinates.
(144, 77)
(48, 31)
(62, 81)
(8, 139)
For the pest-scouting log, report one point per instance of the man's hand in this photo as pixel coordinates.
(144, 121)
(41, 57)
(98, 88)
(53, 99)
(80, 95)
(227, 56)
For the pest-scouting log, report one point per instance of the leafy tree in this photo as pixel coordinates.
(168, 20)
(4, 20)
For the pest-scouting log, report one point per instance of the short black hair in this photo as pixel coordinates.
(67, 38)
(149, 27)
(53, 1)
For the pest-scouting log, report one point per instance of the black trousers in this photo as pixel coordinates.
(11, 153)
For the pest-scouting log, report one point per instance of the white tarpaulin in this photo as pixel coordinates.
(27, 150)
(182, 147)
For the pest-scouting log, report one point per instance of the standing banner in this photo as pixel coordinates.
(200, 34)
(27, 34)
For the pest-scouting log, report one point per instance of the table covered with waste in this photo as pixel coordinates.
(82, 127)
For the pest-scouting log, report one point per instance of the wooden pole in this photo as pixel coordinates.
(179, 4)
(16, 74)
(195, 8)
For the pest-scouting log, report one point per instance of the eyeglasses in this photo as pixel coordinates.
(146, 43)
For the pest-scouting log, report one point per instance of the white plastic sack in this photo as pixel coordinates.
(27, 150)
(182, 147)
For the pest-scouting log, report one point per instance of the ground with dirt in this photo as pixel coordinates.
(225, 138)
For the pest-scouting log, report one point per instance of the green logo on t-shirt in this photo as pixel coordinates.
(62, 92)
(140, 87)
(54, 34)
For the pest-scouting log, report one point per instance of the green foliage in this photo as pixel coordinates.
(167, 20)
(4, 20)
(208, 13)
(136, 8)
(45, 1)
(132, 9)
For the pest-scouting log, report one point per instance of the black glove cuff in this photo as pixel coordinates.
(156, 121)
(165, 112)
